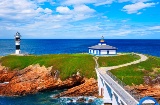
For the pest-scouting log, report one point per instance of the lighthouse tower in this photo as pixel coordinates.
(17, 43)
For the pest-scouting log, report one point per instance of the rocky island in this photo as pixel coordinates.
(74, 72)
(35, 78)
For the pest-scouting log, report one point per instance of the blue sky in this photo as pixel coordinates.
(80, 19)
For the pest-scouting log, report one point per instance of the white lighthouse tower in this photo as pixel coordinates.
(17, 43)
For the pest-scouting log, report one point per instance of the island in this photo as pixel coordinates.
(29, 74)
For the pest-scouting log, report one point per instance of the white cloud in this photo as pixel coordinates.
(134, 8)
(75, 2)
(83, 9)
(47, 11)
(21, 10)
(79, 12)
(120, 32)
(81, 2)
(41, 1)
(133, 1)
(60, 21)
(63, 10)
(154, 28)
(121, 1)
(136, 1)
(76, 9)
(139, 13)
(92, 28)
(103, 2)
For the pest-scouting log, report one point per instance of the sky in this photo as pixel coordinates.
(80, 19)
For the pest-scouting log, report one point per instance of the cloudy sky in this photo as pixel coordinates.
(80, 19)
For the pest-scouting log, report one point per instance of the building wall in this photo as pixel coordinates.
(94, 52)
(90, 51)
(17, 52)
(112, 51)
(102, 52)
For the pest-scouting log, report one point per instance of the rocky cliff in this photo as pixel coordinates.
(88, 88)
(150, 87)
(146, 90)
(33, 79)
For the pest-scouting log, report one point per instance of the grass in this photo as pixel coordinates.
(135, 73)
(117, 60)
(67, 64)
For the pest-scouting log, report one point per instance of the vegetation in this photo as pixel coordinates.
(135, 73)
(67, 64)
(117, 60)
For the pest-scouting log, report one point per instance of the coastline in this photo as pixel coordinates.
(35, 78)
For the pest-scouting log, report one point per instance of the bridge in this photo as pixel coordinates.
(112, 89)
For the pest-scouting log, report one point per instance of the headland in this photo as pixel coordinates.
(22, 75)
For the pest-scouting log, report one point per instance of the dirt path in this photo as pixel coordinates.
(142, 58)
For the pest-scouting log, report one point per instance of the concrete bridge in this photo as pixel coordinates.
(112, 89)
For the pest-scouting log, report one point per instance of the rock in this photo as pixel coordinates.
(81, 100)
(4, 75)
(90, 101)
(71, 101)
(33, 79)
(147, 90)
(149, 81)
(88, 88)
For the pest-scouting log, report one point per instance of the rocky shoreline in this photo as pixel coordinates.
(35, 78)
(88, 88)
(150, 87)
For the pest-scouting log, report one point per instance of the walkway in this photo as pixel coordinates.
(142, 58)
(126, 97)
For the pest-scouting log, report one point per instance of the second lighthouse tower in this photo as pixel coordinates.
(17, 43)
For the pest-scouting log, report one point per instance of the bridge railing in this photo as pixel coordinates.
(123, 85)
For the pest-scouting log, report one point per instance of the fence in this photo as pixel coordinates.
(123, 85)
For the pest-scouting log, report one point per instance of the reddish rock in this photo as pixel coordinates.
(33, 79)
(88, 88)
(147, 90)
(4, 75)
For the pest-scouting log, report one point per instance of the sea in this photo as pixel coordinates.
(59, 46)
(68, 46)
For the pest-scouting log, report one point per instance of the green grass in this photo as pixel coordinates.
(135, 73)
(67, 64)
(117, 60)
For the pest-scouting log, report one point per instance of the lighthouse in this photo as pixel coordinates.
(17, 43)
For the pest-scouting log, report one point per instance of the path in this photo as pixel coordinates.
(142, 58)
(127, 98)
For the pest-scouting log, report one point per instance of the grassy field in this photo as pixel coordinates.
(135, 73)
(67, 64)
(117, 60)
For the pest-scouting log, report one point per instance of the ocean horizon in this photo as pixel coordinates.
(63, 46)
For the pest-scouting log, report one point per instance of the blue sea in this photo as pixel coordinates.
(59, 46)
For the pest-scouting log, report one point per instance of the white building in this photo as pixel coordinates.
(102, 49)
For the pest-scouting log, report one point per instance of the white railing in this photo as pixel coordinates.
(123, 85)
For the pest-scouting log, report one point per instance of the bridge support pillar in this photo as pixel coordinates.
(115, 99)
(120, 102)
(107, 94)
